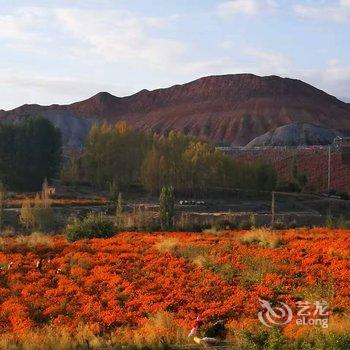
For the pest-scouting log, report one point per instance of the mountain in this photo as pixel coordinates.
(297, 134)
(232, 109)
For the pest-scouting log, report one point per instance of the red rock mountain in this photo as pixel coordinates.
(224, 109)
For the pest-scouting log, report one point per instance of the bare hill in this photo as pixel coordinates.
(231, 109)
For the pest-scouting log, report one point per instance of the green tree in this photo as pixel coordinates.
(166, 207)
(265, 177)
(114, 154)
(30, 151)
(2, 205)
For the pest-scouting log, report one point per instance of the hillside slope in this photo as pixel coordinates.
(297, 134)
(230, 109)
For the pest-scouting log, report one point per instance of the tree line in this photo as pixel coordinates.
(30, 151)
(117, 157)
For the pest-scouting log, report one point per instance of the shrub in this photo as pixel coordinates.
(168, 245)
(342, 223)
(26, 216)
(293, 224)
(329, 223)
(344, 196)
(92, 226)
(34, 240)
(43, 217)
(278, 224)
(159, 331)
(245, 225)
(252, 221)
(141, 219)
(263, 237)
(40, 216)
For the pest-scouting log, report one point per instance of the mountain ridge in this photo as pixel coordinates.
(232, 109)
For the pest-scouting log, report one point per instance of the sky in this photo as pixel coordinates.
(65, 51)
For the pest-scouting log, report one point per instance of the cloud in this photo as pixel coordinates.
(51, 89)
(268, 61)
(118, 36)
(338, 12)
(334, 78)
(246, 7)
(250, 60)
(112, 36)
(23, 27)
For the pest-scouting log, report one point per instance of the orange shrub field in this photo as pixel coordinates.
(125, 285)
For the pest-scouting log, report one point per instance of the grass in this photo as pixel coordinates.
(168, 245)
(318, 291)
(34, 240)
(274, 339)
(158, 331)
(198, 255)
(255, 270)
(263, 237)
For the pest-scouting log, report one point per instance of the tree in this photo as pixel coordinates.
(26, 214)
(119, 209)
(2, 205)
(30, 151)
(42, 212)
(300, 179)
(265, 177)
(114, 154)
(166, 207)
(71, 171)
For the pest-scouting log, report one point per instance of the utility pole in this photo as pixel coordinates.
(329, 169)
(273, 209)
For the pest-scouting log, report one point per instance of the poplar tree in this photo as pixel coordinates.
(119, 209)
(166, 207)
(26, 214)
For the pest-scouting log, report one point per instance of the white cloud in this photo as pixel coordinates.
(250, 60)
(338, 12)
(247, 7)
(119, 36)
(345, 2)
(268, 61)
(50, 89)
(140, 43)
(113, 36)
(334, 78)
(22, 28)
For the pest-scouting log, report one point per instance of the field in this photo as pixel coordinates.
(145, 289)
